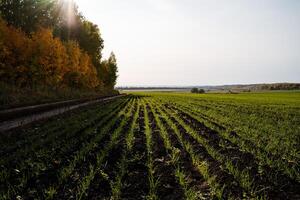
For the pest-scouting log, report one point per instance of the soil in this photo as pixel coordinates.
(168, 187)
(283, 188)
(135, 180)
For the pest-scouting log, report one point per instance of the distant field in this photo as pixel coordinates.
(155, 90)
(158, 145)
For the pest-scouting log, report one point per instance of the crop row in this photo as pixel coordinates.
(272, 138)
(138, 147)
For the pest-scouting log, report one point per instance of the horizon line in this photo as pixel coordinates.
(195, 85)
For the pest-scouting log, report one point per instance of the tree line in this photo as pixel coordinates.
(50, 43)
(280, 86)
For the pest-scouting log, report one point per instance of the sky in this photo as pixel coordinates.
(199, 42)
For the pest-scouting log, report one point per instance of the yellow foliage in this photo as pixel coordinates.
(14, 51)
(43, 59)
(48, 57)
(74, 53)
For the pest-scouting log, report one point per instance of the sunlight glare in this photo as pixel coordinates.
(67, 11)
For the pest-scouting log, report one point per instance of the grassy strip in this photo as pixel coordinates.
(65, 172)
(202, 165)
(130, 138)
(266, 128)
(86, 181)
(182, 178)
(116, 185)
(153, 181)
(243, 177)
(260, 179)
(288, 166)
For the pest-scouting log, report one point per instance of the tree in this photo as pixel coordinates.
(194, 90)
(79, 29)
(14, 52)
(42, 44)
(74, 54)
(108, 71)
(43, 60)
(201, 91)
(28, 14)
(113, 70)
(49, 57)
(81, 72)
(197, 91)
(90, 40)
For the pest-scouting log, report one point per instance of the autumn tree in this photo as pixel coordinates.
(43, 45)
(85, 33)
(80, 71)
(14, 52)
(48, 58)
(30, 15)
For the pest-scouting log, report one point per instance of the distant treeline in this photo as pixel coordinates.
(264, 86)
(50, 44)
(152, 88)
(245, 88)
(279, 86)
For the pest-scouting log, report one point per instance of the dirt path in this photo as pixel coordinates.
(27, 119)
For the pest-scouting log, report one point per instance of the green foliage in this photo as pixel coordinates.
(242, 121)
(153, 180)
(108, 71)
(196, 90)
(28, 15)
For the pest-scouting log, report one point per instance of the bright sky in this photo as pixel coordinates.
(199, 42)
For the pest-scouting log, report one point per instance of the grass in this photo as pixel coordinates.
(153, 181)
(222, 146)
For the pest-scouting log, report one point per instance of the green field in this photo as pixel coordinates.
(160, 146)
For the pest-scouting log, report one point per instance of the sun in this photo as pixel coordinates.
(67, 10)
